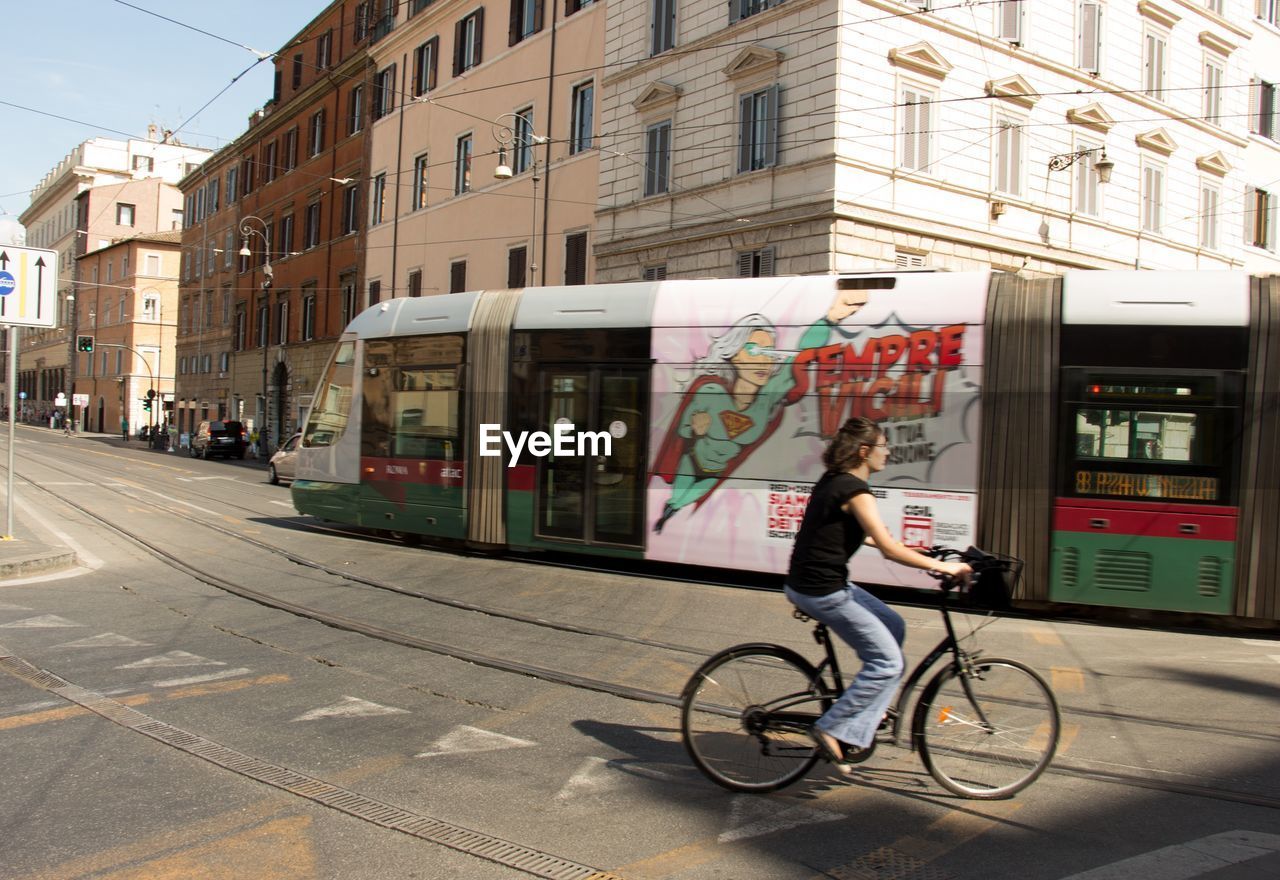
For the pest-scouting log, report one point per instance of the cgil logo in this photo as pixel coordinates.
(562, 441)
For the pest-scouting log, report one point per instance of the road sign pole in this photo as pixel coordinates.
(13, 385)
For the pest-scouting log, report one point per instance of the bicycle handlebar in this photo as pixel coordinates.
(978, 560)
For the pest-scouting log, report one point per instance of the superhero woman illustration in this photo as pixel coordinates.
(735, 401)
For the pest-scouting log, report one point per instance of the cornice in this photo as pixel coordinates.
(1214, 163)
(1215, 43)
(1157, 141)
(1092, 115)
(921, 58)
(1161, 16)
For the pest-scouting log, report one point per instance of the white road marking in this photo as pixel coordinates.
(350, 707)
(5, 606)
(283, 504)
(87, 559)
(464, 739)
(43, 621)
(751, 816)
(173, 658)
(66, 484)
(1276, 657)
(593, 777)
(1191, 859)
(201, 679)
(1266, 643)
(105, 640)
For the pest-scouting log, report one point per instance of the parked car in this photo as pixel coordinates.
(227, 439)
(283, 462)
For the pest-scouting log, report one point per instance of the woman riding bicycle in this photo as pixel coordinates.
(840, 517)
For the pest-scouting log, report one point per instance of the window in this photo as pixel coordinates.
(226, 307)
(229, 249)
(124, 214)
(348, 302)
(415, 283)
(286, 235)
(758, 130)
(526, 19)
(324, 50)
(517, 266)
(282, 322)
(224, 361)
(375, 292)
(419, 183)
(582, 122)
(424, 66)
(468, 36)
(144, 163)
(1153, 69)
(246, 175)
(232, 177)
(355, 110)
(297, 71)
(263, 329)
(1152, 197)
(308, 314)
(269, 166)
(909, 260)
(239, 333)
(1008, 163)
(522, 158)
(311, 226)
(362, 22)
(377, 199)
(384, 92)
(290, 157)
(655, 273)
(1090, 44)
(153, 264)
(315, 134)
(1086, 183)
(1269, 11)
(418, 5)
(657, 161)
(1009, 22)
(740, 9)
(1262, 108)
(176, 218)
(572, 6)
(917, 128)
(1213, 72)
(458, 276)
(575, 258)
(662, 26)
(1209, 198)
(755, 264)
(350, 209)
(1260, 218)
(462, 166)
(215, 194)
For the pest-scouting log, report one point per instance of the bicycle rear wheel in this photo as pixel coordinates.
(988, 732)
(745, 717)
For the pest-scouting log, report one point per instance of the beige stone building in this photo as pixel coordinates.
(127, 305)
(758, 137)
(102, 191)
(457, 87)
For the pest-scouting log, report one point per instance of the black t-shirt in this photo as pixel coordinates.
(828, 536)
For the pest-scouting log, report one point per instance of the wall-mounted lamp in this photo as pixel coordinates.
(1103, 166)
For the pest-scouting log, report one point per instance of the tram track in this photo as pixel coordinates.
(1078, 769)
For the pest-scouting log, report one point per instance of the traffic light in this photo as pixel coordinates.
(84, 343)
(146, 404)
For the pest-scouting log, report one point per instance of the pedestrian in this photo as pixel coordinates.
(124, 429)
(253, 442)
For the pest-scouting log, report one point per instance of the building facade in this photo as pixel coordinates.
(460, 90)
(279, 215)
(760, 137)
(125, 307)
(103, 190)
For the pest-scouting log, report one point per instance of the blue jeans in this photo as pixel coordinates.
(876, 632)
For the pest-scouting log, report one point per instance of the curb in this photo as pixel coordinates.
(20, 558)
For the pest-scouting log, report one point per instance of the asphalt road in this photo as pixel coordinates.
(233, 739)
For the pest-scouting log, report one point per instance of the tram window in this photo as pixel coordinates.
(1136, 436)
(330, 411)
(425, 407)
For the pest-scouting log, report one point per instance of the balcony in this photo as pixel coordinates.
(381, 28)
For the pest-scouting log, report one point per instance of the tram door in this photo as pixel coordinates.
(591, 489)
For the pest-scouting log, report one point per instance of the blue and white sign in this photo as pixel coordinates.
(28, 286)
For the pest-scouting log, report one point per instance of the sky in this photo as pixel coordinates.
(110, 69)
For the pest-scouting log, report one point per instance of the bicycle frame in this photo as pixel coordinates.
(949, 645)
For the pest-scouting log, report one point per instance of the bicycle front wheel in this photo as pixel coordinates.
(988, 731)
(746, 714)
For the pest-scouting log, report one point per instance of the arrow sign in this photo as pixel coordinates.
(28, 287)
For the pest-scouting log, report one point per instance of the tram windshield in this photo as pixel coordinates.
(332, 406)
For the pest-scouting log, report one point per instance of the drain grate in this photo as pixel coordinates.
(456, 837)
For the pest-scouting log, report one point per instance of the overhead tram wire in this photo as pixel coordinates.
(262, 56)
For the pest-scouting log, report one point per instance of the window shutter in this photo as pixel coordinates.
(744, 264)
(478, 42)
(516, 267)
(1254, 90)
(1271, 204)
(1090, 33)
(457, 277)
(771, 126)
(766, 262)
(1273, 130)
(575, 258)
(655, 273)
(434, 44)
(745, 105)
(908, 128)
(924, 131)
(1249, 198)
(537, 15)
(458, 32)
(735, 10)
(1011, 21)
(513, 28)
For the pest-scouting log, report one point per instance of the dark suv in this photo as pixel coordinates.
(219, 438)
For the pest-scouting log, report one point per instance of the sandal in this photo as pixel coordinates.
(824, 748)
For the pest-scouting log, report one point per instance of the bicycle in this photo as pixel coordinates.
(985, 727)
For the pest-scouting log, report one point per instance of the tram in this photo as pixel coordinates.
(1117, 430)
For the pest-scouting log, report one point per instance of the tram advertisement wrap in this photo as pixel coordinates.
(750, 382)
